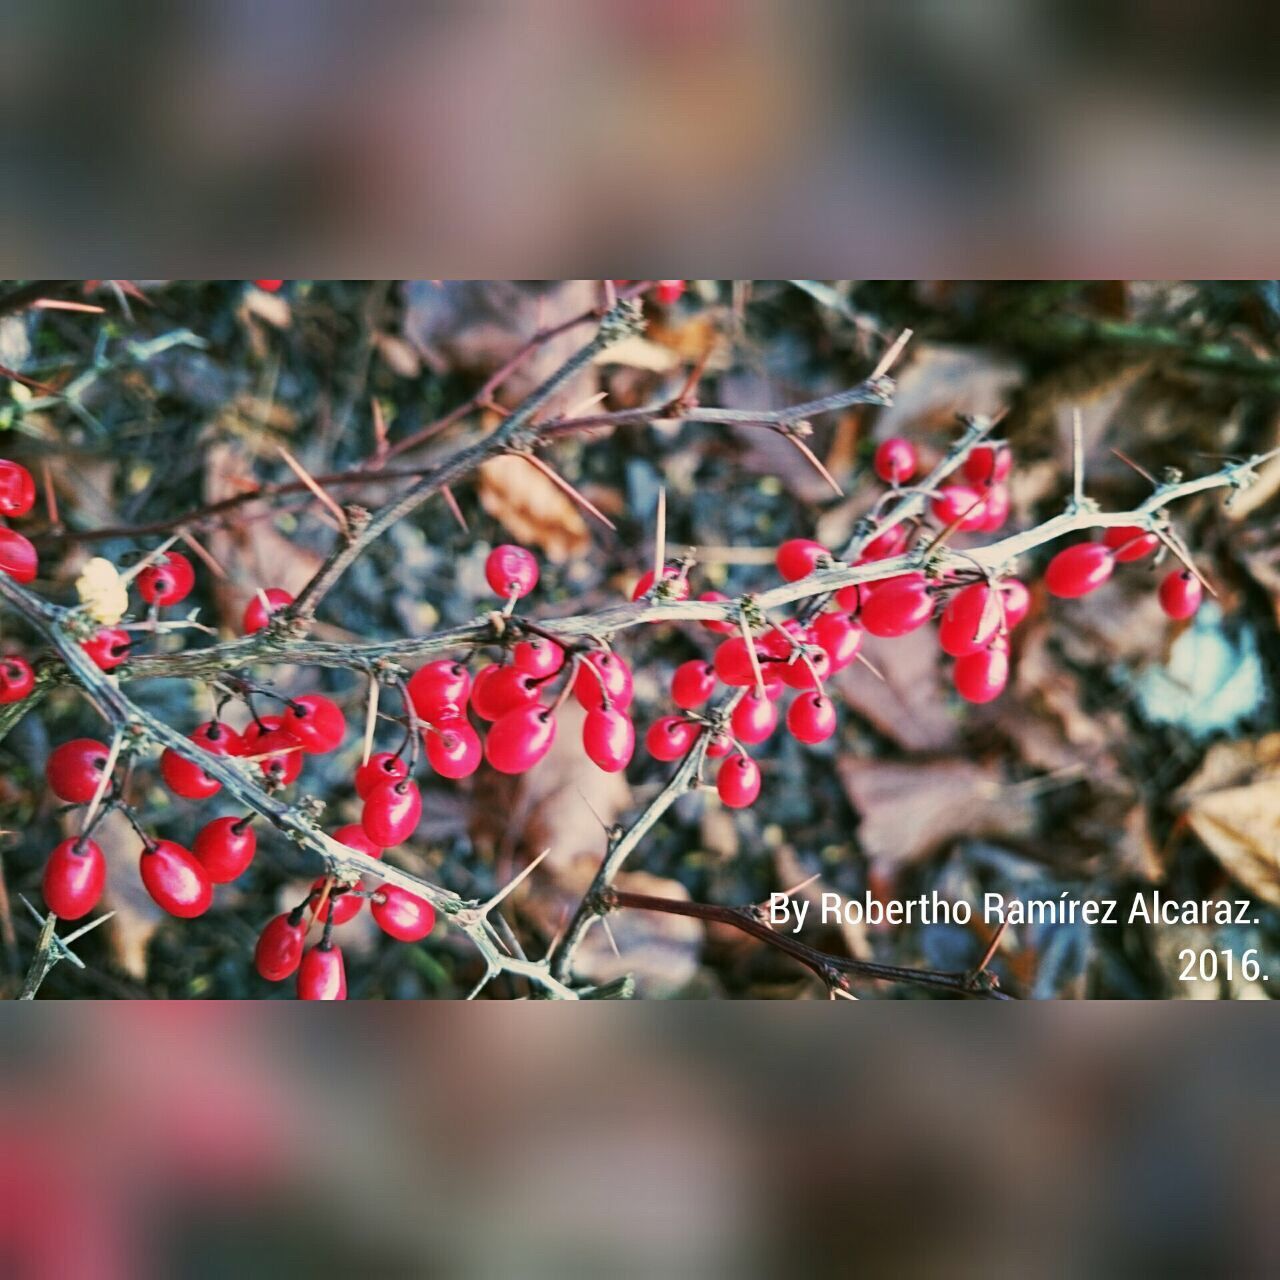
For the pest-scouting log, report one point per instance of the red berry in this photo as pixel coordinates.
(754, 718)
(970, 621)
(1017, 601)
(609, 738)
(1180, 594)
(892, 542)
(733, 662)
(453, 748)
(738, 782)
(520, 739)
(355, 837)
(17, 489)
(16, 679)
(480, 699)
(1130, 542)
(511, 571)
(403, 915)
(168, 581)
(959, 502)
(811, 718)
(982, 676)
(340, 905)
(850, 599)
(74, 878)
(316, 721)
(693, 683)
(184, 777)
(391, 812)
(257, 614)
(382, 766)
(440, 688)
(988, 464)
(839, 637)
(609, 674)
(17, 556)
(897, 606)
(995, 508)
(538, 657)
(279, 949)
(277, 751)
(671, 737)
(503, 691)
(799, 557)
(719, 746)
(895, 460)
(1078, 570)
(719, 627)
(175, 880)
(108, 648)
(225, 848)
(269, 286)
(322, 975)
(74, 769)
(668, 292)
(799, 674)
(673, 574)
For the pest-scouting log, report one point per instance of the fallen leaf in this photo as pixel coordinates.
(532, 508)
(910, 811)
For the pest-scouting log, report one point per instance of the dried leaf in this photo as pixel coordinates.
(532, 508)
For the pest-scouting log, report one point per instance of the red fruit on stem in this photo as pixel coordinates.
(440, 687)
(269, 286)
(538, 657)
(850, 599)
(733, 662)
(798, 558)
(1017, 601)
(280, 751)
(175, 880)
(738, 782)
(355, 837)
(892, 542)
(806, 672)
(895, 460)
(401, 914)
(1130, 542)
(17, 556)
(316, 721)
(17, 489)
(505, 690)
(74, 878)
(168, 581)
(520, 739)
(754, 718)
(609, 738)
(1180, 594)
(74, 769)
(481, 702)
(225, 848)
(839, 636)
(279, 949)
(959, 502)
(671, 737)
(511, 571)
(673, 574)
(322, 975)
(988, 464)
(1075, 571)
(668, 292)
(720, 628)
(609, 674)
(453, 748)
(693, 683)
(897, 606)
(982, 676)
(811, 718)
(970, 621)
(391, 812)
(16, 679)
(108, 648)
(340, 905)
(995, 508)
(183, 776)
(382, 766)
(257, 614)
(719, 746)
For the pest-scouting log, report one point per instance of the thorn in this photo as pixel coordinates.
(370, 719)
(50, 498)
(309, 480)
(887, 360)
(608, 933)
(561, 483)
(660, 538)
(452, 503)
(206, 556)
(804, 884)
(1142, 471)
(755, 657)
(813, 460)
(513, 883)
(103, 782)
(870, 666)
(59, 304)
(1077, 457)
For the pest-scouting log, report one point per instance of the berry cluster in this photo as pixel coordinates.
(1077, 570)
(17, 559)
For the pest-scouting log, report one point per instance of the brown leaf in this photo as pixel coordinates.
(532, 508)
(910, 811)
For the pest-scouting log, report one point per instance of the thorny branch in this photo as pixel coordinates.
(284, 641)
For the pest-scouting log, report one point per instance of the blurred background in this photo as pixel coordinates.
(990, 137)
(1129, 753)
